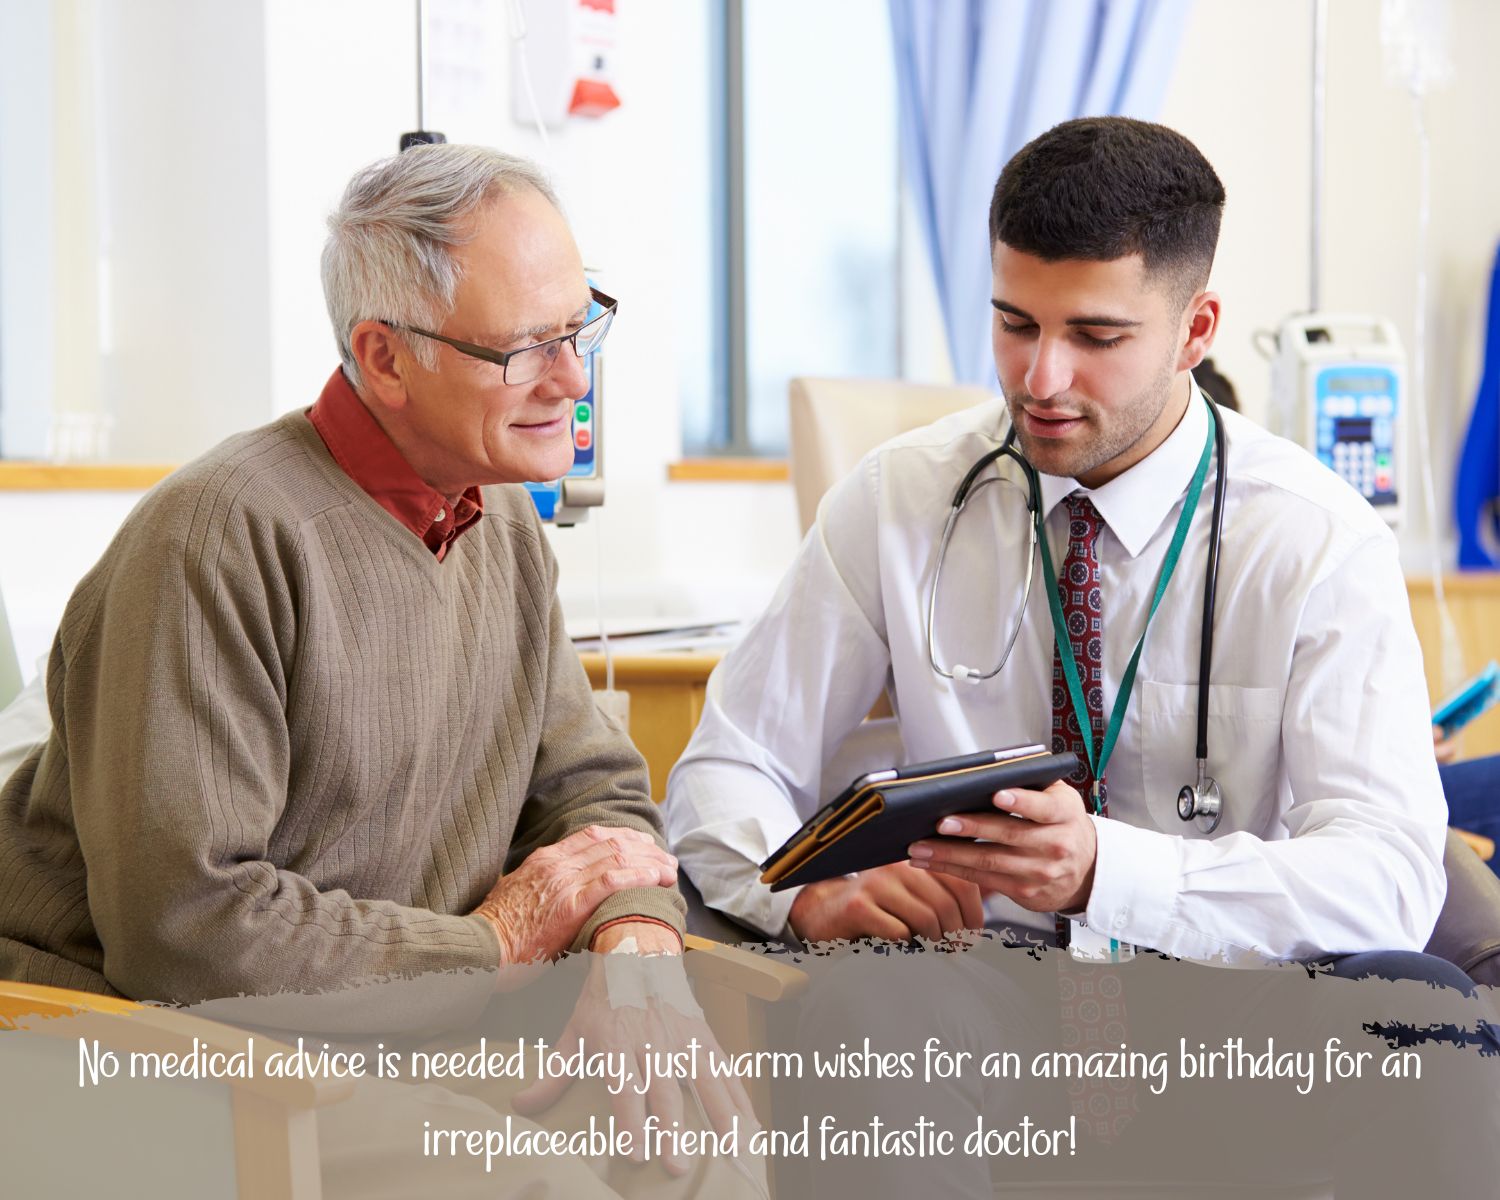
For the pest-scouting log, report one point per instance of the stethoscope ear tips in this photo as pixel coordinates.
(961, 673)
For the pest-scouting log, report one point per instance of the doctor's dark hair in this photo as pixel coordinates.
(1101, 188)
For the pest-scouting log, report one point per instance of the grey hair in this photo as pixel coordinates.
(389, 254)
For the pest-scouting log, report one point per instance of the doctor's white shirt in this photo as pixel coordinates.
(1319, 730)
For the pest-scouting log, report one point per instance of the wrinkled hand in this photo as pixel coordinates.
(893, 902)
(1044, 863)
(670, 1021)
(538, 909)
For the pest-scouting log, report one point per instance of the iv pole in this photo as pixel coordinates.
(1319, 123)
(421, 136)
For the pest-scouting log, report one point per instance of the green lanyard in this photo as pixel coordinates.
(1099, 760)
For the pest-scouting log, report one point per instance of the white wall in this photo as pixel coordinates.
(1242, 91)
(48, 542)
(341, 87)
(146, 200)
(328, 85)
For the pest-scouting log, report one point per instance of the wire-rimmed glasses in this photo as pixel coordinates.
(530, 363)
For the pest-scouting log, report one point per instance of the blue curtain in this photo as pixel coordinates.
(1476, 490)
(977, 80)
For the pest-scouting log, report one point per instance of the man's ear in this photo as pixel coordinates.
(1200, 323)
(383, 362)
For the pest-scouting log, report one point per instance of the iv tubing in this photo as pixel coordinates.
(1453, 654)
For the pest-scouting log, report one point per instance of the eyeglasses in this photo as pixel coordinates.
(530, 363)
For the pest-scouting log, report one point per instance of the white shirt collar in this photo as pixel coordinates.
(1136, 502)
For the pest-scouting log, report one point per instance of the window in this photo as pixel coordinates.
(27, 164)
(135, 238)
(805, 231)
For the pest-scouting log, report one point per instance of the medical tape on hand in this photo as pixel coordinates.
(632, 979)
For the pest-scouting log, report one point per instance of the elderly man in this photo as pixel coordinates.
(316, 717)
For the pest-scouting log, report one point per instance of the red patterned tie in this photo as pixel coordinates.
(1083, 613)
(1092, 997)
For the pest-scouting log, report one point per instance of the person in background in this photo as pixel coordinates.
(1471, 788)
(1216, 384)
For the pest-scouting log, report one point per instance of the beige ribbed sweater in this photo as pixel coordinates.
(292, 749)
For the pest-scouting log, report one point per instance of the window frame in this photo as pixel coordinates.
(729, 419)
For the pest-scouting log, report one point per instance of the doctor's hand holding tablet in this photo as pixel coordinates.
(955, 823)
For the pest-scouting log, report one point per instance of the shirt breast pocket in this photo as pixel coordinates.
(1244, 752)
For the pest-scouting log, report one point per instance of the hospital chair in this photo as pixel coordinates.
(832, 423)
(835, 422)
(252, 1139)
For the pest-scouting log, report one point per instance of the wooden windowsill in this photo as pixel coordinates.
(729, 470)
(1456, 582)
(26, 476)
(18, 476)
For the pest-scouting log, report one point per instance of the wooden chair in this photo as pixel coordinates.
(254, 1139)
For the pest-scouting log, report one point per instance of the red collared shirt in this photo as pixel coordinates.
(370, 458)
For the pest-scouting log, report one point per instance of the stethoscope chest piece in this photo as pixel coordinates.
(1201, 802)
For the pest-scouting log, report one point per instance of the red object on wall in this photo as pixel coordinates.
(592, 97)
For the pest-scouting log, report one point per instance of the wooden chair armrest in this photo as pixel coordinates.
(739, 970)
(124, 1025)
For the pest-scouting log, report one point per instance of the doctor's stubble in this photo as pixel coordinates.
(1111, 429)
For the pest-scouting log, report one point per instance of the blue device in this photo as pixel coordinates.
(1474, 698)
(567, 500)
(1356, 431)
(1340, 388)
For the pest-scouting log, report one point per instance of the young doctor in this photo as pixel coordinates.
(1329, 840)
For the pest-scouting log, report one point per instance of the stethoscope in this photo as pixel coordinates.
(1202, 801)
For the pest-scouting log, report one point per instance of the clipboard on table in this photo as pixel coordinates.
(873, 821)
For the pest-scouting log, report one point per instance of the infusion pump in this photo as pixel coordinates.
(1340, 389)
(566, 501)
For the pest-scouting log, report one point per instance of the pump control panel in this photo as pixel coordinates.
(1340, 386)
(566, 501)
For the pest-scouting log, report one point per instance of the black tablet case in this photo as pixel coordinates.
(874, 820)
